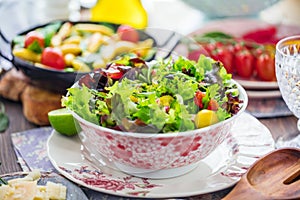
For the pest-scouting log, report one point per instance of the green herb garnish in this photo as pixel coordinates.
(35, 47)
(2, 181)
(4, 120)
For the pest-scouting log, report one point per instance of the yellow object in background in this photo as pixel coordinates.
(129, 12)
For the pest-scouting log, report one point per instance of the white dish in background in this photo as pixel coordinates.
(220, 170)
(238, 27)
(257, 85)
(263, 94)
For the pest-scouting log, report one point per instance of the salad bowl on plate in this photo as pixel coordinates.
(158, 119)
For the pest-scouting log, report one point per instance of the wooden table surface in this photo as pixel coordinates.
(17, 123)
(277, 126)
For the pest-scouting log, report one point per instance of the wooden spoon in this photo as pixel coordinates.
(274, 176)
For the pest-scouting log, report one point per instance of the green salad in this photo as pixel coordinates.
(160, 96)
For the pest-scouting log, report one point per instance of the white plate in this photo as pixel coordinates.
(257, 85)
(239, 26)
(221, 169)
(263, 94)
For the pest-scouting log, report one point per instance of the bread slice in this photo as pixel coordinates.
(37, 103)
(12, 84)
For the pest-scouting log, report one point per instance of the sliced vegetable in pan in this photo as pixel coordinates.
(81, 47)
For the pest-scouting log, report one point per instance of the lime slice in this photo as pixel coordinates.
(62, 121)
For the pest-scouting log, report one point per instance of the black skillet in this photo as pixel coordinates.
(54, 80)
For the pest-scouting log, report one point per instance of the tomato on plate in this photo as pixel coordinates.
(237, 47)
(195, 54)
(53, 57)
(243, 62)
(224, 55)
(33, 36)
(128, 33)
(265, 67)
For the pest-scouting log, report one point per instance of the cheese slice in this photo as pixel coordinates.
(27, 189)
(23, 190)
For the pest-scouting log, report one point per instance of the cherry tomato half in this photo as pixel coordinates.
(128, 33)
(114, 72)
(34, 36)
(213, 105)
(198, 99)
(53, 57)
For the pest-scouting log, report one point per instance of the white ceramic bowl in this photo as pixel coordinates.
(155, 155)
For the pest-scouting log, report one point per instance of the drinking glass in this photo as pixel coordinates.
(287, 62)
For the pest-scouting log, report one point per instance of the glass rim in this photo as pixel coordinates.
(283, 40)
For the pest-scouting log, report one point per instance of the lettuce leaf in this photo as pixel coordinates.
(80, 101)
(158, 97)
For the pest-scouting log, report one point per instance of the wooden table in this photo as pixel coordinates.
(277, 126)
(17, 123)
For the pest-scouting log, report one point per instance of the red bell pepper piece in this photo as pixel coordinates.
(262, 36)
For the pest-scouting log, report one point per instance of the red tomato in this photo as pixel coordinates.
(265, 67)
(213, 105)
(209, 47)
(257, 52)
(128, 33)
(198, 99)
(238, 47)
(212, 46)
(34, 36)
(244, 63)
(114, 72)
(195, 54)
(53, 57)
(225, 56)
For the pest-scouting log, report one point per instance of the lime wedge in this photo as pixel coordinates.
(62, 121)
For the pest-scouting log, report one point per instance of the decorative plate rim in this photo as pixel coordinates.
(240, 150)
